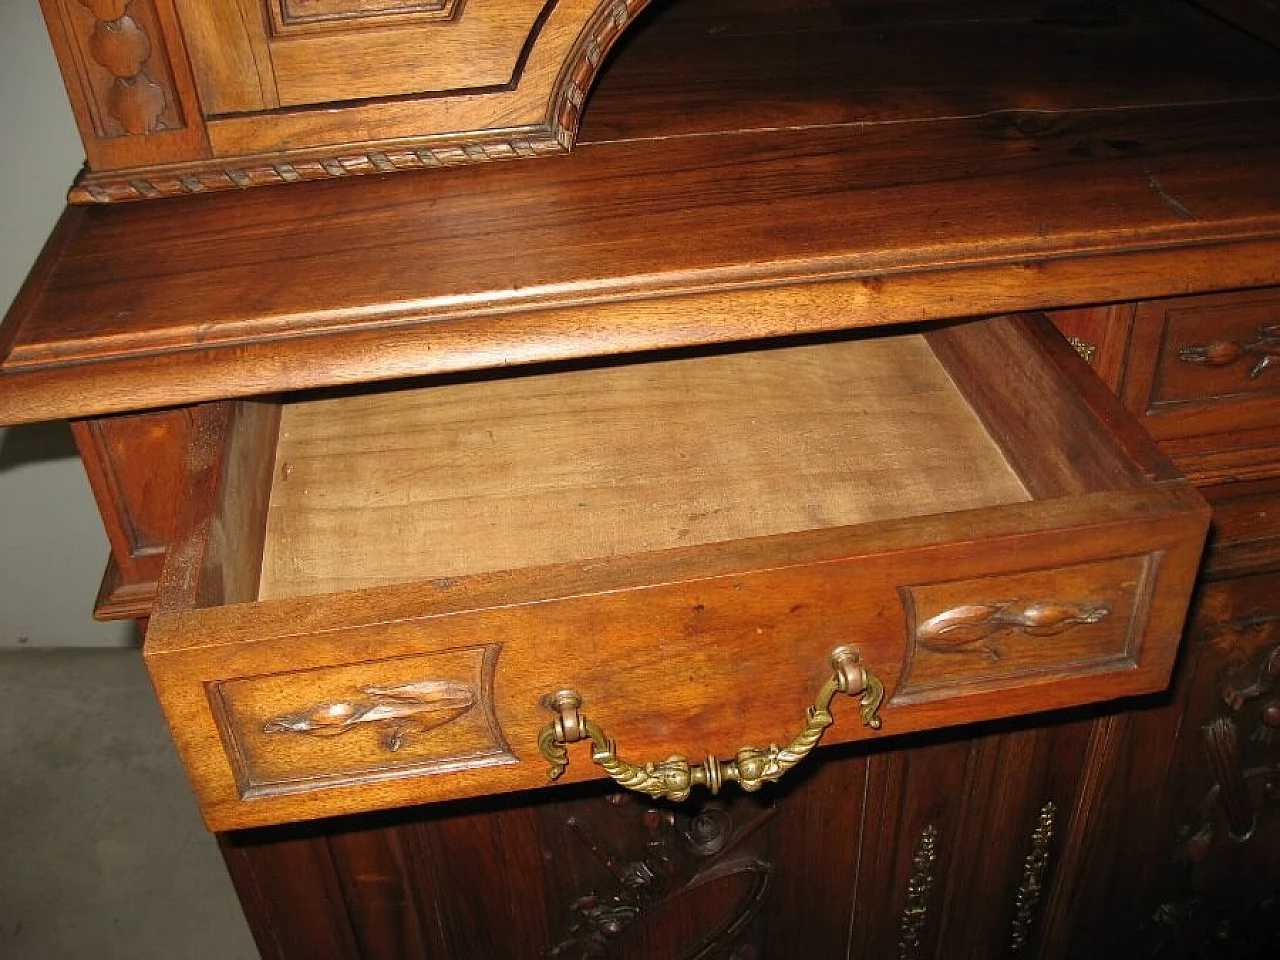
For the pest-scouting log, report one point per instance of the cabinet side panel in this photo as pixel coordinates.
(134, 465)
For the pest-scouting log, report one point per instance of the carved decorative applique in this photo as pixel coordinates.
(978, 627)
(683, 854)
(329, 726)
(1263, 351)
(396, 712)
(915, 911)
(1242, 758)
(1033, 874)
(120, 45)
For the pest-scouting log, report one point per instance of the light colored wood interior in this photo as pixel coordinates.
(584, 464)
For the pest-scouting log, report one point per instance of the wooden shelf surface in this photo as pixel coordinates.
(933, 205)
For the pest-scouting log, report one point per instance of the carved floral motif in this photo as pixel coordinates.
(682, 853)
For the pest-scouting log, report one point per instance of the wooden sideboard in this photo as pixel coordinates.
(735, 415)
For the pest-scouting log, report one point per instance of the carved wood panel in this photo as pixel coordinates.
(128, 80)
(948, 848)
(1218, 889)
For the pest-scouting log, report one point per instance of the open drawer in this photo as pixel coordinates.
(379, 599)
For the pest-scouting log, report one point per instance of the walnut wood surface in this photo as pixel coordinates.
(357, 90)
(937, 209)
(135, 468)
(369, 85)
(127, 76)
(140, 298)
(1056, 145)
(695, 66)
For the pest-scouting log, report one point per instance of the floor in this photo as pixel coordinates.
(102, 852)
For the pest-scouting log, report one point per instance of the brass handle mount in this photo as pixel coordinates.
(751, 767)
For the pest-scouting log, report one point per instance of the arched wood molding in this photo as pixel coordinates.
(554, 133)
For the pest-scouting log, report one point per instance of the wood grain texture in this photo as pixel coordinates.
(576, 869)
(1200, 378)
(695, 68)
(664, 247)
(229, 54)
(582, 465)
(702, 65)
(356, 57)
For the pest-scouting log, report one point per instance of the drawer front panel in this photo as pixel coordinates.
(1202, 375)
(694, 666)
(992, 632)
(389, 718)
(1217, 352)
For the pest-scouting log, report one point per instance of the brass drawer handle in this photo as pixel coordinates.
(751, 767)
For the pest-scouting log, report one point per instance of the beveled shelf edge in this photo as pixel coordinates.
(416, 347)
(555, 134)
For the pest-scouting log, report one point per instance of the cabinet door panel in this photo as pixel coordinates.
(948, 848)
(248, 56)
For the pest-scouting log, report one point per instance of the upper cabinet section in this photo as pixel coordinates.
(249, 57)
(178, 97)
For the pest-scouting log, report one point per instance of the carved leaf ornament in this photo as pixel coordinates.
(975, 626)
(395, 711)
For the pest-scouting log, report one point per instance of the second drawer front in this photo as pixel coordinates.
(1204, 374)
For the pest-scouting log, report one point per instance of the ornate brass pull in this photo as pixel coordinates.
(751, 767)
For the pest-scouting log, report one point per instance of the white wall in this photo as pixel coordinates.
(52, 548)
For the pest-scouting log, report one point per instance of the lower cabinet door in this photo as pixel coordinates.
(950, 847)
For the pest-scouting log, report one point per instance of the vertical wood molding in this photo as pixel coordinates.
(1081, 841)
(128, 80)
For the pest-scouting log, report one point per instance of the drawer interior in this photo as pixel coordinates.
(588, 464)
(595, 463)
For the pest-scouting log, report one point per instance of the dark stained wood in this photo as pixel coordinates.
(1259, 17)
(1200, 377)
(135, 470)
(577, 870)
(697, 65)
(1246, 527)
